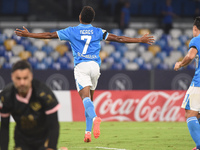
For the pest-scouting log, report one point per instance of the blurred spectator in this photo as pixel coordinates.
(125, 16)
(168, 15)
(118, 7)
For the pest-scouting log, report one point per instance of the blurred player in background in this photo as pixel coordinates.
(34, 107)
(191, 102)
(85, 42)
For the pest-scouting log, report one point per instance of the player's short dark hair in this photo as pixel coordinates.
(87, 14)
(197, 22)
(21, 65)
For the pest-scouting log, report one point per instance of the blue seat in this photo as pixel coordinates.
(56, 66)
(3, 37)
(8, 55)
(117, 56)
(18, 39)
(41, 66)
(7, 65)
(47, 49)
(161, 56)
(117, 66)
(48, 61)
(33, 61)
(162, 66)
(2, 50)
(32, 49)
(63, 62)
(147, 66)
(139, 61)
(26, 43)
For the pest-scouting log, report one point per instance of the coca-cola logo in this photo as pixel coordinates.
(152, 106)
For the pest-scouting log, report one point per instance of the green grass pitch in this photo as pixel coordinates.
(125, 136)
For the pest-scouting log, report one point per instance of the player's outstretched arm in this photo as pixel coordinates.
(186, 60)
(26, 33)
(123, 39)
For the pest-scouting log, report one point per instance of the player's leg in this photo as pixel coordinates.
(191, 103)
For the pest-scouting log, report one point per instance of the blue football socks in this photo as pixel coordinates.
(89, 107)
(194, 128)
(89, 122)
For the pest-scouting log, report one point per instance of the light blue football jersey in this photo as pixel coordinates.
(85, 42)
(195, 43)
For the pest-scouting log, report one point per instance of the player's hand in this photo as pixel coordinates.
(177, 66)
(23, 33)
(147, 39)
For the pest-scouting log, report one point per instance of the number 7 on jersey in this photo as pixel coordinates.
(88, 39)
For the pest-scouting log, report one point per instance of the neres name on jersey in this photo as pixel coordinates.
(86, 31)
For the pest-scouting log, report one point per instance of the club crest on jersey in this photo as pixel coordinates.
(36, 106)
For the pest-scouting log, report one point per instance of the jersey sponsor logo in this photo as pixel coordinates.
(181, 82)
(86, 32)
(57, 82)
(87, 56)
(120, 81)
(36, 106)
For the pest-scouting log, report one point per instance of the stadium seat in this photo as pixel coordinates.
(117, 32)
(140, 49)
(38, 43)
(69, 55)
(130, 32)
(16, 49)
(109, 49)
(24, 55)
(9, 43)
(132, 66)
(56, 66)
(175, 43)
(32, 49)
(158, 33)
(130, 55)
(154, 49)
(183, 39)
(155, 62)
(169, 62)
(47, 49)
(55, 55)
(14, 59)
(54, 43)
(40, 55)
(63, 62)
(33, 61)
(143, 31)
(37, 30)
(61, 49)
(104, 66)
(183, 49)
(3, 37)
(17, 38)
(109, 61)
(103, 55)
(161, 55)
(117, 66)
(2, 50)
(131, 46)
(2, 61)
(41, 66)
(116, 56)
(139, 61)
(7, 65)
(48, 61)
(147, 56)
(175, 33)
(189, 33)
(8, 32)
(147, 66)
(25, 42)
(175, 55)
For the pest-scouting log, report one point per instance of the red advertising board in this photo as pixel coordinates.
(133, 105)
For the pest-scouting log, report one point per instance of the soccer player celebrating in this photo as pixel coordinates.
(85, 42)
(191, 102)
(34, 109)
